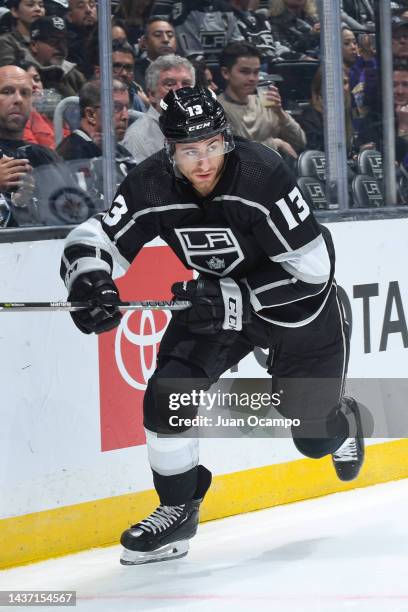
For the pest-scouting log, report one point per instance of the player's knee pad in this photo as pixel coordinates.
(171, 398)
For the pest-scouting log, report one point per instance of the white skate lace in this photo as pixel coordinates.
(347, 451)
(162, 517)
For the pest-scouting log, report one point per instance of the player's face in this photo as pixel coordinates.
(201, 162)
(243, 77)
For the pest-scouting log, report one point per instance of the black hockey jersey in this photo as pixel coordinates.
(254, 227)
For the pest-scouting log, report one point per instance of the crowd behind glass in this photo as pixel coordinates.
(261, 58)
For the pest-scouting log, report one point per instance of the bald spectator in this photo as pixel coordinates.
(80, 20)
(15, 45)
(265, 120)
(144, 137)
(159, 39)
(31, 175)
(49, 49)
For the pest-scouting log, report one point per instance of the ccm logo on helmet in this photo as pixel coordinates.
(199, 126)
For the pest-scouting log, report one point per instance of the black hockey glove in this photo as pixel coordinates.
(99, 288)
(216, 305)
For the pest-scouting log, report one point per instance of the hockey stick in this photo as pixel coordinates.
(73, 306)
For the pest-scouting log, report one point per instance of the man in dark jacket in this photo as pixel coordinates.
(81, 18)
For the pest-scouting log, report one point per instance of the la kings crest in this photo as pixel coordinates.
(214, 250)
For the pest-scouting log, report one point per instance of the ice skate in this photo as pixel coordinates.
(161, 536)
(165, 533)
(348, 459)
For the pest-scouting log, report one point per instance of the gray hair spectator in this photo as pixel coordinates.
(144, 137)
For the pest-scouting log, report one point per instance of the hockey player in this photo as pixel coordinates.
(233, 212)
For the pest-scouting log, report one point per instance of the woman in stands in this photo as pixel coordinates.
(14, 45)
(312, 118)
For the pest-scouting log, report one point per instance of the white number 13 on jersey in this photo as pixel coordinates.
(302, 209)
(114, 215)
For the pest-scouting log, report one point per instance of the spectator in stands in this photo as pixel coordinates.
(203, 75)
(400, 37)
(85, 143)
(249, 117)
(159, 39)
(135, 15)
(295, 23)
(29, 197)
(120, 31)
(400, 77)
(256, 29)
(203, 27)
(80, 20)
(312, 118)
(144, 137)
(123, 66)
(39, 128)
(15, 45)
(362, 72)
(49, 49)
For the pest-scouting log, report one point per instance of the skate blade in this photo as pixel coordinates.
(175, 550)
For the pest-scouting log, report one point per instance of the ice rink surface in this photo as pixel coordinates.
(343, 552)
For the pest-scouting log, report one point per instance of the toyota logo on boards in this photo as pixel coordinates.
(151, 328)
